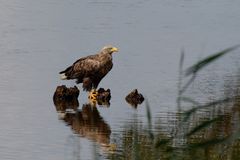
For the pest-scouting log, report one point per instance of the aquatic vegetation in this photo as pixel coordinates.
(205, 131)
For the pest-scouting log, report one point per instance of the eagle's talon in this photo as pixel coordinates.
(93, 94)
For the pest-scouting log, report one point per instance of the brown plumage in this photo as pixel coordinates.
(91, 69)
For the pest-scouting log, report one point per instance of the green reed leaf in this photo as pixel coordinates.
(203, 125)
(204, 62)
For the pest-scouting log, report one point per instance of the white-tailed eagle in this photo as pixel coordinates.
(90, 70)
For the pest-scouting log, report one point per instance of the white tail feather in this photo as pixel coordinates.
(63, 76)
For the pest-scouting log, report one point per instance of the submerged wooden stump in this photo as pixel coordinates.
(64, 93)
(134, 98)
(104, 95)
(66, 98)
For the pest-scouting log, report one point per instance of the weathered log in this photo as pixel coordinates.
(66, 98)
(134, 98)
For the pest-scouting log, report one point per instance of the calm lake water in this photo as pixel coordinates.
(40, 38)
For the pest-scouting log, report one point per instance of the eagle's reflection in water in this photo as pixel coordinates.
(87, 122)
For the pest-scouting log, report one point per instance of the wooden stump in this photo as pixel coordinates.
(134, 98)
(66, 98)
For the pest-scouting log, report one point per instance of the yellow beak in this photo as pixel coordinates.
(114, 49)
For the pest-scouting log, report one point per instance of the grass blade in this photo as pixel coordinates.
(149, 117)
(204, 125)
(202, 63)
(190, 100)
(211, 104)
(207, 143)
(162, 142)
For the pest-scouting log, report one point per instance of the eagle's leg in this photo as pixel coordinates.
(93, 95)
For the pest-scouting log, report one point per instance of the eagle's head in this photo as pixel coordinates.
(109, 49)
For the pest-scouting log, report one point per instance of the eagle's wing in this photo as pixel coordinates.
(87, 64)
(83, 66)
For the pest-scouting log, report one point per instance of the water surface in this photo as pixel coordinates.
(41, 38)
